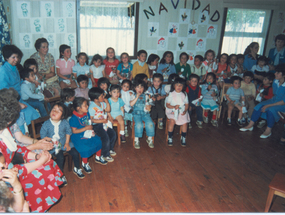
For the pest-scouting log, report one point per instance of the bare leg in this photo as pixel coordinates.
(184, 128)
(267, 131)
(121, 122)
(171, 125)
(230, 109)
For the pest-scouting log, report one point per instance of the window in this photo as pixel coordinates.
(107, 24)
(244, 26)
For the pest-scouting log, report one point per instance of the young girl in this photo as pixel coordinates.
(82, 68)
(111, 64)
(83, 143)
(64, 67)
(97, 70)
(233, 65)
(97, 110)
(82, 90)
(209, 92)
(198, 68)
(171, 79)
(58, 129)
(125, 67)
(223, 71)
(67, 96)
(183, 68)
(126, 95)
(152, 63)
(117, 110)
(141, 114)
(104, 84)
(166, 65)
(177, 109)
(210, 63)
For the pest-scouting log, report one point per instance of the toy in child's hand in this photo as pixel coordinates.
(56, 145)
(196, 102)
(111, 74)
(259, 97)
(148, 101)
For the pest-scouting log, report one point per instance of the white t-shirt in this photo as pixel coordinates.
(97, 72)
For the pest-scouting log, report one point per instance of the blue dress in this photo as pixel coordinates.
(116, 107)
(86, 147)
(170, 69)
(10, 78)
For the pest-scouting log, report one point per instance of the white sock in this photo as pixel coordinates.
(149, 138)
(136, 139)
(122, 132)
(97, 157)
(126, 127)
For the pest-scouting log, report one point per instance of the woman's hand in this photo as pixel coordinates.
(44, 144)
(263, 109)
(45, 157)
(10, 176)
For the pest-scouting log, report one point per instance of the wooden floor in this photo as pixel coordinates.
(220, 170)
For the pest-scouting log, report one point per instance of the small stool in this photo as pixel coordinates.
(276, 187)
(116, 124)
(133, 132)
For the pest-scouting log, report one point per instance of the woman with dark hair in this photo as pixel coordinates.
(277, 55)
(46, 66)
(250, 56)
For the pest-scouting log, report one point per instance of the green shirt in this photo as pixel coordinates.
(186, 70)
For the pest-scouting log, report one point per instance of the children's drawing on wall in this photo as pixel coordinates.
(201, 44)
(162, 43)
(184, 16)
(25, 41)
(68, 9)
(71, 38)
(212, 31)
(192, 30)
(173, 29)
(51, 40)
(204, 17)
(280, 19)
(36, 25)
(181, 44)
(47, 9)
(153, 29)
(191, 56)
(60, 25)
(23, 9)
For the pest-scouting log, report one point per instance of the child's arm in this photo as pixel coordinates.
(186, 109)
(171, 107)
(228, 98)
(104, 73)
(98, 121)
(80, 130)
(133, 102)
(92, 78)
(123, 110)
(44, 157)
(270, 94)
(66, 145)
(25, 89)
(108, 107)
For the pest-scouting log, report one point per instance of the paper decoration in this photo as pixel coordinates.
(162, 43)
(47, 9)
(212, 31)
(173, 29)
(60, 25)
(280, 19)
(153, 29)
(184, 16)
(200, 44)
(37, 25)
(192, 30)
(192, 55)
(25, 41)
(68, 8)
(23, 9)
(71, 38)
(203, 17)
(51, 38)
(181, 44)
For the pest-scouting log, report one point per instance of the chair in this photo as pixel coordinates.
(166, 130)
(276, 187)
(133, 131)
(51, 100)
(116, 124)
(36, 127)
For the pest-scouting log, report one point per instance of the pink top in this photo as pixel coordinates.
(109, 66)
(79, 92)
(65, 66)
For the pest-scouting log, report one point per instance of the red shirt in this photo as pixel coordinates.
(270, 92)
(194, 88)
(109, 66)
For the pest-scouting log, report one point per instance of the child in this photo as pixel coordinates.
(223, 71)
(117, 110)
(158, 95)
(152, 63)
(83, 143)
(142, 77)
(260, 69)
(249, 93)
(177, 109)
(82, 90)
(140, 66)
(141, 114)
(198, 68)
(97, 70)
(210, 93)
(99, 106)
(194, 92)
(29, 94)
(234, 95)
(166, 65)
(240, 60)
(111, 64)
(82, 68)
(125, 67)
(104, 84)
(233, 65)
(64, 67)
(171, 79)
(210, 63)
(57, 129)
(67, 96)
(183, 68)
(126, 95)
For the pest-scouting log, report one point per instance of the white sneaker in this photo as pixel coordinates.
(109, 159)
(183, 141)
(150, 143)
(113, 153)
(86, 168)
(137, 144)
(205, 119)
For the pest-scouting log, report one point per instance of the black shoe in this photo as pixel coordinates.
(123, 138)
(63, 178)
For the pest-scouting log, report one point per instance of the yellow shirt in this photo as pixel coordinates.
(248, 89)
(137, 69)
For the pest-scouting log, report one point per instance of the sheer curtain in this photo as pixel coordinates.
(4, 31)
(106, 24)
(244, 26)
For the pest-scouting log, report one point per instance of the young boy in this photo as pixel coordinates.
(194, 92)
(198, 68)
(158, 96)
(29, 94)
(140, 66)
(82, 90)
(183, 68)
(249, 93)
(234, 95)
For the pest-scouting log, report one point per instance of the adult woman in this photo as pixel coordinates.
(10, 78)
(277, 54)
(38, 174)
(250, 56)
(269, 109)
(46, 66)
